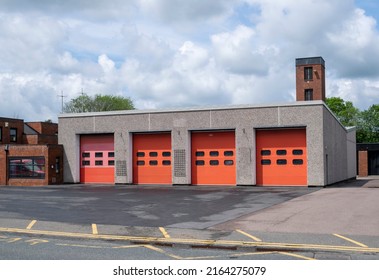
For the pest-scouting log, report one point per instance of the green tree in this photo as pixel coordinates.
(98, 103)
(370, 125)
(345, 111)
(366, 122)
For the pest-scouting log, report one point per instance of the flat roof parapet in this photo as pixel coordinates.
(310, 61)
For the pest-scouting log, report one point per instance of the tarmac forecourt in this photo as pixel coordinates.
(237, 240)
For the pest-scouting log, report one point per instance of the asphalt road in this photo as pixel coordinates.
(75, 222)
(180, 207)
(20, 247)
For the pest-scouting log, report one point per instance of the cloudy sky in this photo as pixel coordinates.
(181, 53)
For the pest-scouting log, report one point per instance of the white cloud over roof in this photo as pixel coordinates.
(169, 53)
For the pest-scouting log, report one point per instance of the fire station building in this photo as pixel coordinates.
(295, 144)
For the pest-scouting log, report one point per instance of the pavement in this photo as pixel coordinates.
(341, 217)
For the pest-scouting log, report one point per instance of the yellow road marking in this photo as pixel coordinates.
(351, 240)
(164, 232)
(230, 256)
(36, 241)
(162, 251)
(249, 235)
(127, 246)
(31, 224)
(80, 246)
(94, 229)
(12, 240)
(296, 256)
(245, 244)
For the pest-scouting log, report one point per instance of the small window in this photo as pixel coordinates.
(265, 152)
(265, 162)
(281, 152)
(13, 134)
(57, 165)
(99, 154)
(297, 162)
(297, 152)
(85, 162)
(214, 153)
(166, 154)
(140, 154)
(140, 162)
(281, 162)
(153, 154)
(153, 162)
(111, 154)
(308, 94)
(228, 162)
(308, 73)
(200, 154)
(111, 162)
(200, 162)
(228, 153)
(85, 155)
(214, 162)
(98, 162)
(166, 162)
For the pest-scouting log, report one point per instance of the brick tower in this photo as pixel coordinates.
(310, 79)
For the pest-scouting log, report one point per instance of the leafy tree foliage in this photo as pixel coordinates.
(369, 126)
(367, 122)
(98, 103)
(344, 110)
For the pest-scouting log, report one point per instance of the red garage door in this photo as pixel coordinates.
(97, 159)
(281, 157)
(213, 158)
(152, 158)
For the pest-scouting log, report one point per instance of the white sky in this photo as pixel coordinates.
(181, 53)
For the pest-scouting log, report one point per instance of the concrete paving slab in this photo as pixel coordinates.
(327, 211)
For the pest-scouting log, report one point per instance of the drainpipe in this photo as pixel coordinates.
(6, 149)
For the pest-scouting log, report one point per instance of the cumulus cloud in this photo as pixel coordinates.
(168, 53)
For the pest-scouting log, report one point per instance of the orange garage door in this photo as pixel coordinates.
(97, 159)
(152, 158)
(281, 157)
(213, 158)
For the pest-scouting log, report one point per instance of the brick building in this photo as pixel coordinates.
(29, 153)
(295, 144)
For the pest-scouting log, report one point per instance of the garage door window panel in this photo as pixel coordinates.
(214, 153)
(153, 154)
(297, 152)
(265, 152)
(297, 162)
(281, 152)
(200, 154)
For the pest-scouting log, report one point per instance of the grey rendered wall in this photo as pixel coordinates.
(339, 150)
(244, 121)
